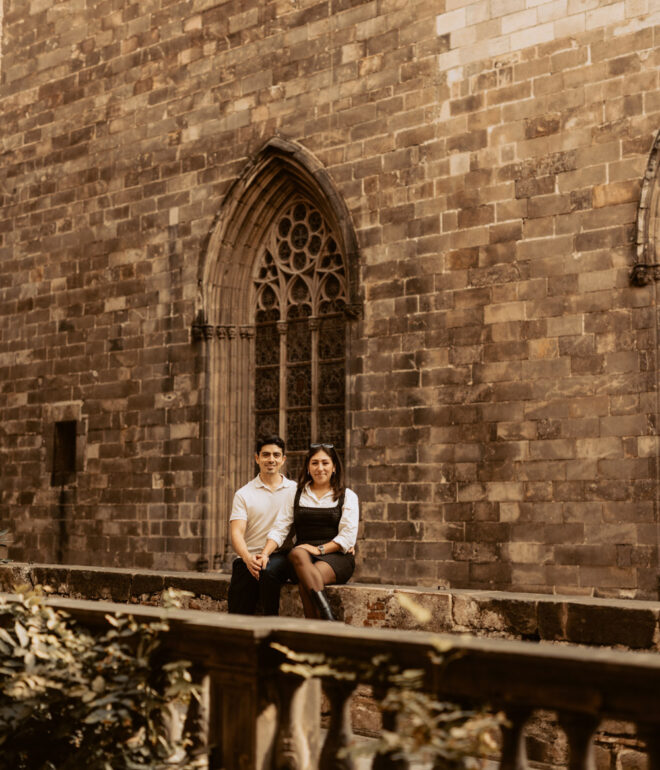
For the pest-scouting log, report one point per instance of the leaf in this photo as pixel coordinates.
(21, 633)
(421, 614)
(97, 716)
(303, 657)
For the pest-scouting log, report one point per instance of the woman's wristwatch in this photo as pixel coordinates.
(321, 550)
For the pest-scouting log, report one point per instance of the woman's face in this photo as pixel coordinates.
(320, 467)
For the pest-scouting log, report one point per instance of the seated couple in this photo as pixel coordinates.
(319, 512)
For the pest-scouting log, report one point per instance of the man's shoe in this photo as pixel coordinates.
(323, 604)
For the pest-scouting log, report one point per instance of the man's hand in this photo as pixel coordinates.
(253, 563)
(263, 560)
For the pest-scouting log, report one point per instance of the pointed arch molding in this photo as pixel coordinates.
(647, 242)
(281, 171)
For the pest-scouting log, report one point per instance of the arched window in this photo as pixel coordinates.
(274, 324)
(300, 368)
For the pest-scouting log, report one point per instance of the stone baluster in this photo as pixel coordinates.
(339, 733)
(197, 720)
(580, 729)
(650, 734)
(297, 741)
(514, 751)
(389, 760)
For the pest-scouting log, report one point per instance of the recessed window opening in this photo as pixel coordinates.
(64, 451)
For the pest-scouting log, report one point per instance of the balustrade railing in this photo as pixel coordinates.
(254, 715)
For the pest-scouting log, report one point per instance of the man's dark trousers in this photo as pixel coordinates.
(245, 591)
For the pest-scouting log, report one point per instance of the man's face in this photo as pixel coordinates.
(270, 459)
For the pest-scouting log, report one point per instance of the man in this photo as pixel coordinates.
(253, 513)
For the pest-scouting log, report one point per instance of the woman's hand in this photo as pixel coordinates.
(263, 559)
(313, 549)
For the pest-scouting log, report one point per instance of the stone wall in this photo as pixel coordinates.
(502, 389)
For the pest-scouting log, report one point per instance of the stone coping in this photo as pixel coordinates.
(623, 623)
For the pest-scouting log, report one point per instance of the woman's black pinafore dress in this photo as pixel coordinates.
(320, 525)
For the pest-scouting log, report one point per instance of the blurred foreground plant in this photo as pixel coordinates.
(442, 734)
(72, 699)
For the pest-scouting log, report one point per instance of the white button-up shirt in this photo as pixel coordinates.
(258, 505)
(348, 524)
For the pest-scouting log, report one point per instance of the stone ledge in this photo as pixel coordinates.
(630, 624)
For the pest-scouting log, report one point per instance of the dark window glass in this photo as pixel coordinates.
(300, 283)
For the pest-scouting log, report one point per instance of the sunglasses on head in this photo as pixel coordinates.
(321, 446)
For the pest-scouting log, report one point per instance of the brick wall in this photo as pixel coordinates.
(503, 388)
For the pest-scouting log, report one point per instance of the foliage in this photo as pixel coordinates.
(441, 733)
(72, 699)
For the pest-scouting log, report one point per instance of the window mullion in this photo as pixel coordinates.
(281, 328)
(314, 421)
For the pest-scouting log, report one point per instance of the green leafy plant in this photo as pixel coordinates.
(440, 733)
(72, 699)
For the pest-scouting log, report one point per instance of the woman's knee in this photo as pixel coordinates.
(326, 572)
(299, 557)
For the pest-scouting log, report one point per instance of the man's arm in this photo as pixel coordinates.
(237, 529)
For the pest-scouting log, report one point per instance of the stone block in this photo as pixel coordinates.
(146, 584)
(92, 584)
(552, 620)
(605, 625)
(14, 575)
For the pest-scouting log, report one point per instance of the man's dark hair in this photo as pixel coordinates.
(261, 442)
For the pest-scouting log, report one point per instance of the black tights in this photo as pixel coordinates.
(312, 576)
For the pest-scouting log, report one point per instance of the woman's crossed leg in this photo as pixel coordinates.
(313, 577)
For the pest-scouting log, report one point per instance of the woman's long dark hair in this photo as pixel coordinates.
(335, 480)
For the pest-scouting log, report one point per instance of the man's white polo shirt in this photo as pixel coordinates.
(258, 505)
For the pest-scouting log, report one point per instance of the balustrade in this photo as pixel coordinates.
(257, 716)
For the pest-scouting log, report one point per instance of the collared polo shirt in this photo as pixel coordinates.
(258, 505)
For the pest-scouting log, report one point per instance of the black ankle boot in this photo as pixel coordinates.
(323, 604)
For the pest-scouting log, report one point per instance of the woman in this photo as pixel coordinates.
(324, 515)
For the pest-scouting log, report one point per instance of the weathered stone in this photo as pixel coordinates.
(97, 585)
(605, 625)
(487, 173)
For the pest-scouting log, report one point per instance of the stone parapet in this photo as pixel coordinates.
(628, 624)
(564, 706)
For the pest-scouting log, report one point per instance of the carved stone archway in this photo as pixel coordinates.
(647, 241)
(281, 172)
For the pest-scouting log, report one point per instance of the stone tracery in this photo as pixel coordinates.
(301, 291)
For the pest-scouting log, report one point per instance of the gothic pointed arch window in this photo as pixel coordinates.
(275, 324)
(300, 350)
